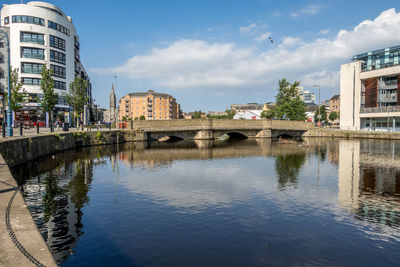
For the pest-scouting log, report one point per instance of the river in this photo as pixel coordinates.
(248, 202)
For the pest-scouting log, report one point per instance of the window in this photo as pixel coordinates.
(57, 57)
(28, 19)
(29, 37)
(29, 52)
(57, 42)
(6, 20)
(58, 71)
(60, 85)
(34, 68)
(57, 27)
(30, 81)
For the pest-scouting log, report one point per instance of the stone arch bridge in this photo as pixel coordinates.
(203, 129)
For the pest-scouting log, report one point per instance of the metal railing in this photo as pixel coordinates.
(380, 109)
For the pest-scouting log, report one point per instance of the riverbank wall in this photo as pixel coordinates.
(336, 133)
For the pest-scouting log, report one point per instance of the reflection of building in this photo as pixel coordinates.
(40, 33)
(369, 188)
(55, 200)
(151, 105)
(369, 88)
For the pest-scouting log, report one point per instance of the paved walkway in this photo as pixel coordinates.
(44, 130)
(20, 241)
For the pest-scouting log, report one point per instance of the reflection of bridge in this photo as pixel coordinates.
(210, 129)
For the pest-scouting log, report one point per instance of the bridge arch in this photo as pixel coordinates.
(170, 139)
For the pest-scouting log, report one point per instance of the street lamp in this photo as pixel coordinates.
(9, 130)
(319, 103)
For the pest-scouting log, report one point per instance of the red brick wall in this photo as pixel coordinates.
(371, 92)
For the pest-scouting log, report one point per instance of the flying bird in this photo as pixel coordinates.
(270, 38)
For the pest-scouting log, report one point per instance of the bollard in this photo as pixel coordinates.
(51, 127)
(3, 129)
(37, 127)
(20, 129)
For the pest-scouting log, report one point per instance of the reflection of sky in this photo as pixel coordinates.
(230, 211)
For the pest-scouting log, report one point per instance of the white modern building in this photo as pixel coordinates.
(40, 33)
(369, 91)
(306, 97)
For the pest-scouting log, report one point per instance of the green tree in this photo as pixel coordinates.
(77, 97)
(321, 112)
(18, 94)
(268, 114)
(124, 118)
(142, 118)
(288, 102)
(333, 116)
(197, 114)
(50, 97)
(230, 113)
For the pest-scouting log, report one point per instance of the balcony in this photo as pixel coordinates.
(149, 115)
(387, 84)
(387, 97)
(127, 105)
(380, 109)
(150, 99)
(150, 110)
(149, 104)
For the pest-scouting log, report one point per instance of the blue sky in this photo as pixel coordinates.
(210, 54)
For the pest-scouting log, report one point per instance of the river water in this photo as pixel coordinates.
(234, 203)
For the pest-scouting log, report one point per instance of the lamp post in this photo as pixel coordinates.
(319, 103)
(9, 130)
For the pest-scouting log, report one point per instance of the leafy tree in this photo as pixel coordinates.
(18, 93)
(77, 97)
(136, 118)
(50, 97)
(268, 114)
(333, 116)
(230, 113)
(124, 118)
(197, 114)
(142, 118)
(288, 102)
(323, 114)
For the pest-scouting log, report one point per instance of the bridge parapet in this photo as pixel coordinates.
(210, 124)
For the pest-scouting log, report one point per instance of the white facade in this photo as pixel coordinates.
(354, 115)
(307, 97)
(40, 33)
(248, 115)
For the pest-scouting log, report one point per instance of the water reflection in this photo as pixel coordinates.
(279, 178)
(369, 180)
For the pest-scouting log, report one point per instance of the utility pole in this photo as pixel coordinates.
(319, 103)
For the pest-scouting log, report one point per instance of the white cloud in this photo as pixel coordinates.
(325, 31)
(199, 65)
(262, 37)
(308, 10)
(251, 29)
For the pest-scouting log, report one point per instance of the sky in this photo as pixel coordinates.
(209, 54)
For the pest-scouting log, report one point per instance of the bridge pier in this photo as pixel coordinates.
(264, 133)
(204, 135)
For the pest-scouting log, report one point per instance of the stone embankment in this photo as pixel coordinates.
(336, 133)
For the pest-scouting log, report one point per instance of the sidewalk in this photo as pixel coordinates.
(46, 130)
